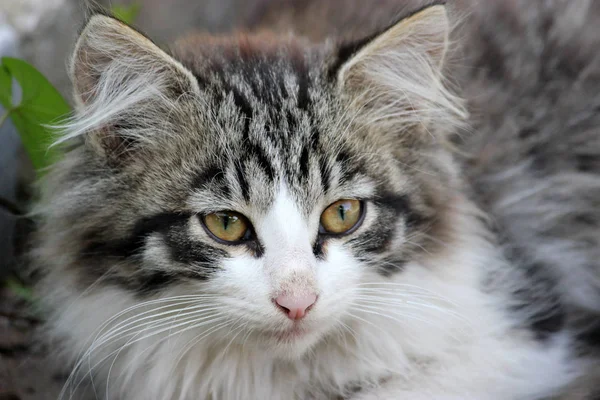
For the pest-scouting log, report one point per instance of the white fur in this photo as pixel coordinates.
(428, 333)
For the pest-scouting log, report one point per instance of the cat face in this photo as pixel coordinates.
(275, 181)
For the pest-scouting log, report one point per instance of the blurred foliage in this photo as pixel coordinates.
(20, 290)
(126, 13)
(40, 106)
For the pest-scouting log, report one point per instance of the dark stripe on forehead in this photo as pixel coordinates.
(325, 173)
(304, 166)
(242, 182)
(208, 174)
(314, 138)
(349, 166)
(243, 105)
(212, 176)
(291, 118)
(302, 98)
(255, 151)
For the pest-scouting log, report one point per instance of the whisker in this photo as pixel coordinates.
(192, 326)
(132, 341)
(410, 304)
(192, 310)
(191, 298)
(197, 339)
(370, 310)
(89, 352)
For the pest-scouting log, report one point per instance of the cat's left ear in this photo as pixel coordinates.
(396, 75)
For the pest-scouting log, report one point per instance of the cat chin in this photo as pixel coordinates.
(290, 346)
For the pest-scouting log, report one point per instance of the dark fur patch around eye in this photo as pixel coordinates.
(97, 245)
(319, 248)
(199, 258)
(401, 205)
(378, 239)
(588, 336)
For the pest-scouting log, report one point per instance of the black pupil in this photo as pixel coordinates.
(227, 220)
(342, 212)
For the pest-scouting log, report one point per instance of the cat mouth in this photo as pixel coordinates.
(288, 335)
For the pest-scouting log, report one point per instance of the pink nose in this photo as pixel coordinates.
(296, 307)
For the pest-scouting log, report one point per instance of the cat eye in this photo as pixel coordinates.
(227, 226)
(342, 217)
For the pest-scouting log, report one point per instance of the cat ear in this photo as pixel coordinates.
(123, 85)
(396, 76)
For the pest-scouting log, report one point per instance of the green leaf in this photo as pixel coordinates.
(5, 88)
(126, 13)
(20, 290)
(41, 105)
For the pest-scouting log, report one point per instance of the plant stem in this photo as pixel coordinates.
(10, 207)
(5, 204)
(5, 116)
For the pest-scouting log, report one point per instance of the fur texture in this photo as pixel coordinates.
(459, 282)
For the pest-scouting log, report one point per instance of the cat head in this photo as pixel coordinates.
(270, 180)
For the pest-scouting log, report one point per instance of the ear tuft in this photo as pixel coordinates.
(397, 74)
(123, 84)
(107, 45)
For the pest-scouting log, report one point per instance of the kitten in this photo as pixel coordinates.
(266, 217)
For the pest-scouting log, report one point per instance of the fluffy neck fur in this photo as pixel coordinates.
(460, 326)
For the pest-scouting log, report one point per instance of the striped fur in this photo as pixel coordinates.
(421, 301)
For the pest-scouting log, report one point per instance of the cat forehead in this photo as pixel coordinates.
(271, 120)
(274, 90)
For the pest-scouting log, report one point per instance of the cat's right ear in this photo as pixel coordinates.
(124, 86)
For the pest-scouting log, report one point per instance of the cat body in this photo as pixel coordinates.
(429, 292)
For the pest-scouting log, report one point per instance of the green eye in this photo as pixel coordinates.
(342, 216)
(227, 226)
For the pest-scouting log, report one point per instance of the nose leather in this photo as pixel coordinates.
(296, 306)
